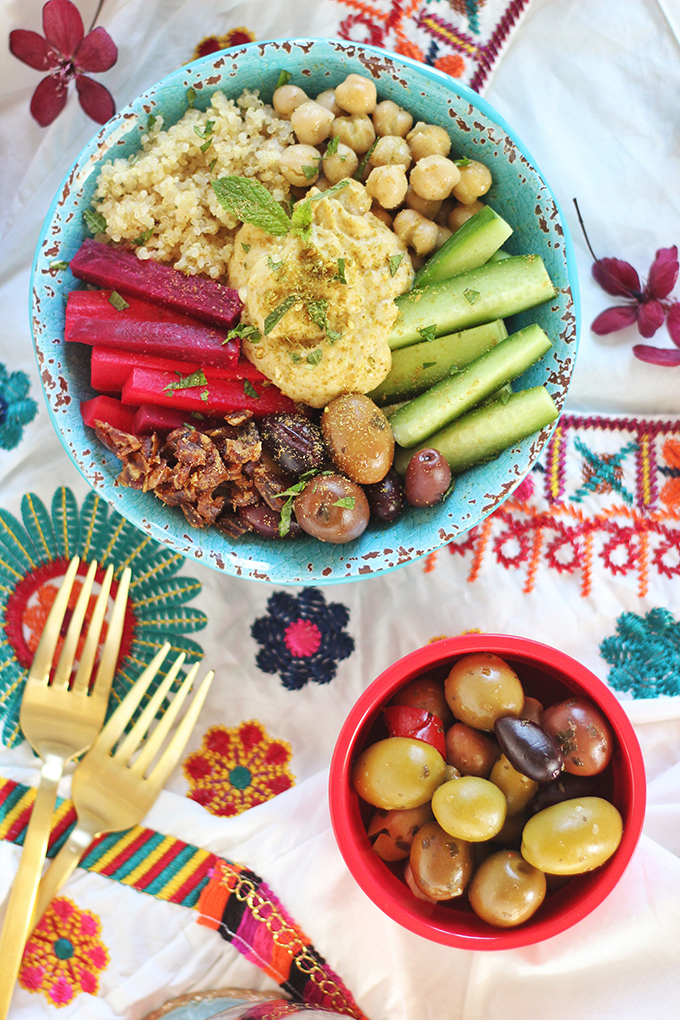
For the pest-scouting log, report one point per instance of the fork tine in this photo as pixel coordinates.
(153, 743)
(131, 741)
(173, 751)
(42, 661)
(62, 674)
(121, 717)
(89, 651)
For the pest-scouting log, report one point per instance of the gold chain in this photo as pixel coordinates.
(286, 936)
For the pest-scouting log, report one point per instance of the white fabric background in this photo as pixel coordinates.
(592, 89)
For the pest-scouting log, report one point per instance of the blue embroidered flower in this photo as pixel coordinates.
(34, 554)
(16, 407)
(302, 638)
(644, 654)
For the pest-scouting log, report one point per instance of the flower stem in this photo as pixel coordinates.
(580, 219)
(96, 15)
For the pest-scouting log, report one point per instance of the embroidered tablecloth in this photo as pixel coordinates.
(234, 878)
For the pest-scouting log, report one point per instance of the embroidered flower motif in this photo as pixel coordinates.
(670, 493)
(34, 554)
(302, 638)
(235, 769)
(16, 407)
(64, 956)
(451, 63)
(644, 654)
(66, 52)
(648, 307)
(215, 43)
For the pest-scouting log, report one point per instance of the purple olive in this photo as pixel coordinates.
(528, 748)
(427, 479)
(565, 787)
(386, 498)
(265, 521)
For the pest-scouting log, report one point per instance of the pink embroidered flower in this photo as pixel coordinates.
(64, 955)
(66, 53)
(234, 769)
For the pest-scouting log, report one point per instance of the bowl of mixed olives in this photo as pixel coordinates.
(487, 791)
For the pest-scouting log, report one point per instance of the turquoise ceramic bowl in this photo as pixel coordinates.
(519, 193)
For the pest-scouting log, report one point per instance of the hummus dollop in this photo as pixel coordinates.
(324, 302)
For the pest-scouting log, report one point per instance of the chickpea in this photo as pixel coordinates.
(390, 150)
(356, 132)
(311, 123)
(387, 185)
(340, 164)
(416, 231)
(356, 94)
(287, 98)
(460, 213)
(300, 164)
(382, 215)
(443, 234)
(433, 177)
(475, 180)
(426, 208)
(390, 119)
(428, 140)
(328, 100)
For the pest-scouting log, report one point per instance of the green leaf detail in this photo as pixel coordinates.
(191, 97)
(332, 146)
(118, 302)
(249, 390)
(364, 163)
(345, 502)
(244, 331)
(96, 223)
(395, 261)
(58, 264)
(143, 238)
(428, 332)
(250, 202)
(471, 295)
(186, 382)
(464, 161)
(284, 78)
(340, 275)
(310, 172)
(275, 317)
(314, 357)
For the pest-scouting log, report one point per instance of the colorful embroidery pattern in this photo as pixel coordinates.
(463, 38)
(230, 899)
(604, 497)
(17, 409)
(302, 638)
(644, 654)
(234, 769)
(34, 553)
(213, 43)
(64, 956)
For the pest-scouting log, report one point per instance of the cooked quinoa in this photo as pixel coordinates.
(165, 188)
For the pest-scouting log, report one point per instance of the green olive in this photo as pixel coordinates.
(481, 688)
(398, 772)
(518, 788)
(572, 836)
(470, 808)
(506, 890)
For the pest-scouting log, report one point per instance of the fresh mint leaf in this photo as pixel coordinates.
(246, 247)
(58, 264)
(275, 267)
(317, 311)
(118, 302)
(395, 261)
(284, 78)
(144, 237)
(364, 163)
(205, 395)
(275, 317)
(212, 165)
(429, 364)
(249, 390)
(340, 275)
(186, 382)
(250, 202)
(332, 146)
(151, 120)
(345, 503)
(244, 331)
(332, 334)
(191, 97)
(462, 162)
(428, 332)
(95, 221)
(301, 220)
(329, 192)
(310, 172)
(471, 295)
(314, 357)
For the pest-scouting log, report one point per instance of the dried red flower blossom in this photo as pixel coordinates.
(648, 307)
(66, 52)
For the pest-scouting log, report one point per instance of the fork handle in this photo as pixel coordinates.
(22, 898)
(64, 864)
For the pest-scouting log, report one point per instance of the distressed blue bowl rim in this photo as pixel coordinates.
(418, 532)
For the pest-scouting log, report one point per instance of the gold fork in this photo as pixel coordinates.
(114, 785)
(60, 720)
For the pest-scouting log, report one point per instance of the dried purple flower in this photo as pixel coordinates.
(647, 306)
(66, 52)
